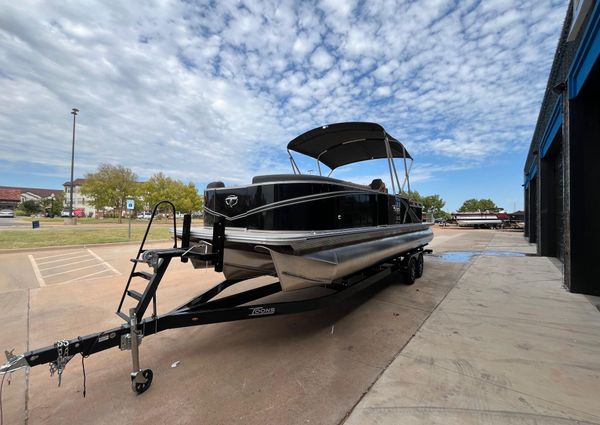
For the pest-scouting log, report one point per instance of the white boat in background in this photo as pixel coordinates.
(477, 219)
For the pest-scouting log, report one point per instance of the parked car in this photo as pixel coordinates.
(7, 212)
(65, 213)
(144, 215)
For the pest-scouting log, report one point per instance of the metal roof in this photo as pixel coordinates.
(10, 195)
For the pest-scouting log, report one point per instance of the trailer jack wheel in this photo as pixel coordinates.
(141, 381)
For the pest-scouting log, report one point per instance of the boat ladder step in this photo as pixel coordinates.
(123, 316)
(134, 294)
(145, 275)
(137, 260)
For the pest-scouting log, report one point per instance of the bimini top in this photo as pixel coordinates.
(345, 143)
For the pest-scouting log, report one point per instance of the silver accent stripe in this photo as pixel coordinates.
(287, 202)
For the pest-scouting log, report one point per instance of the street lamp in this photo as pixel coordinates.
(74, 112)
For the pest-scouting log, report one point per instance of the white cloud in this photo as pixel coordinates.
(383, 91)
(178, 86)
(321, 60)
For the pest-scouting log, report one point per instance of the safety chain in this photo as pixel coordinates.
(58, 366)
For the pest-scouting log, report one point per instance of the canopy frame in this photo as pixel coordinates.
(372, 129)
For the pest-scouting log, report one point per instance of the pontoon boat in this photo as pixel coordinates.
(313, 229)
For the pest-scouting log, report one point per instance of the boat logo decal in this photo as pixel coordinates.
(261, 311)
(231, 201)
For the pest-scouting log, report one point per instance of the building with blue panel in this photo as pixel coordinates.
(562, 170)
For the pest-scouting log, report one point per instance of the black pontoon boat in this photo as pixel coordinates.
(311, 230)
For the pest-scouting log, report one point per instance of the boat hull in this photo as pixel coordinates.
(323, 267)
(308, 230)
(481, 222)
(302, 260)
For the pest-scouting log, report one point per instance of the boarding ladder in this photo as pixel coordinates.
(159, 260)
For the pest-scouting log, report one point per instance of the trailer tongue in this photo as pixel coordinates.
(200, 310)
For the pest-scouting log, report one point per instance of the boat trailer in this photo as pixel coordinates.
(200, 310)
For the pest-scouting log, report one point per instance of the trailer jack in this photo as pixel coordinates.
(140, 379)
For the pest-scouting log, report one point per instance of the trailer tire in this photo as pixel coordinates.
(410, 274)
(420, 265)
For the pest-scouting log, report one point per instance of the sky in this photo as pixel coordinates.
(205, 91)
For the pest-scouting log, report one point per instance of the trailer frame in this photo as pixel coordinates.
(202, 309)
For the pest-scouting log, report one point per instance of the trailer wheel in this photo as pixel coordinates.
(420, 265)
(410, 274)
(139, 388)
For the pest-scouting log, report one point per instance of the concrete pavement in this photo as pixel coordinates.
(508, 345)
(497, 341)
(306, 368)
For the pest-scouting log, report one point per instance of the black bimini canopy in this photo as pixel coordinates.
(345, 143)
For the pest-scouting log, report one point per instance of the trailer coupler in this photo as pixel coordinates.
(13, 362)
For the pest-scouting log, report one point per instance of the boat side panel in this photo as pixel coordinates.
(328, 207)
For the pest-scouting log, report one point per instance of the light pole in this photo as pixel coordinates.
(74, 112)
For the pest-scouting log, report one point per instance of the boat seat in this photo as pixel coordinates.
(379, 185)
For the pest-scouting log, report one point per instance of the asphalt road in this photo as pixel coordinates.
(12, 222)
(305, 368)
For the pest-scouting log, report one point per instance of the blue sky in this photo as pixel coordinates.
(206, 91)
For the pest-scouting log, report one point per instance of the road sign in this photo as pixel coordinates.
(130, 204)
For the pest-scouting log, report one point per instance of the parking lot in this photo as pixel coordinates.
(307, 368)
(70, 266)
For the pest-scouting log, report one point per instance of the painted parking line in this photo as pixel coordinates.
(104, 262)
(62, 265)
(36, 270)
(58, 255)
(70, 267)
(61, 260)
(84, 276)
(71, 271)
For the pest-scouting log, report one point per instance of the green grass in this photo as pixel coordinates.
(75, 235)
(86, 220)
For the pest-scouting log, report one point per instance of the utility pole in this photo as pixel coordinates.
(74, 112)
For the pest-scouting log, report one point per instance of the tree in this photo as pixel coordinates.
(30, 207)
(110, 186)
(478, 205)
(443, 215)
(433, 204)
(57, 206)
(159, 187)
(54, 205)
(487, 205)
